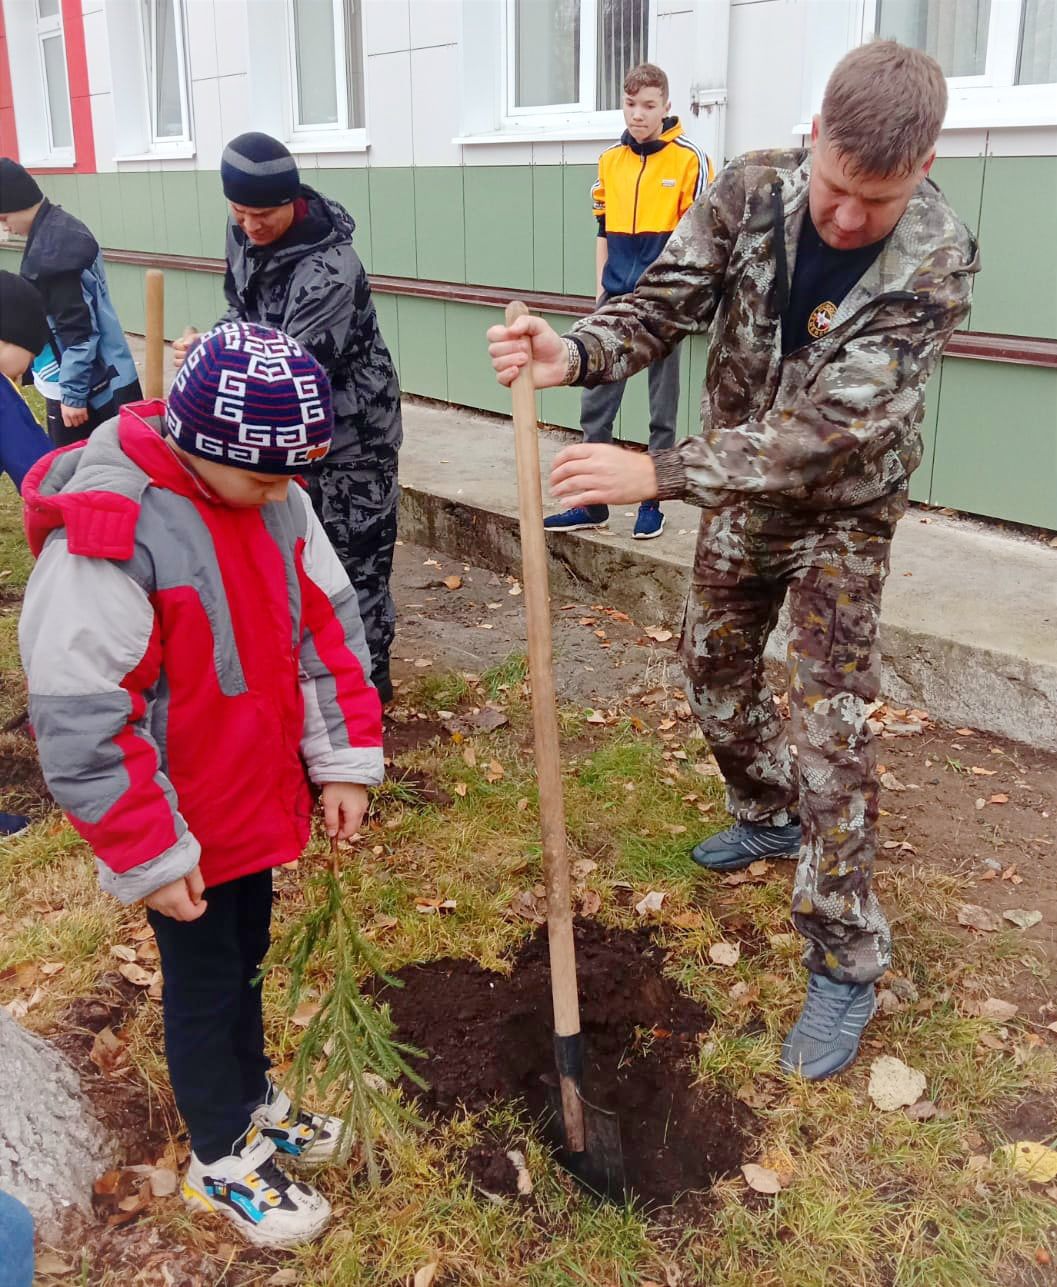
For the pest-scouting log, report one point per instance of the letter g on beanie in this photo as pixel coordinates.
(257, 171)
(251, 397)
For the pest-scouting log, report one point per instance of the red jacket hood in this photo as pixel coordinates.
(94, 488)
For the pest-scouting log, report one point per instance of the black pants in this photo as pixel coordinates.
(61, 436)
(214, 1028)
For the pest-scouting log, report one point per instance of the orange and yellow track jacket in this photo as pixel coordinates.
(643, 190)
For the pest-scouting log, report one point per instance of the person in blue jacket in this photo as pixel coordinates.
(95, 372)
(23, 333)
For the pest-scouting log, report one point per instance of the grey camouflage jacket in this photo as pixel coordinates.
(314, 287)
(834, 425)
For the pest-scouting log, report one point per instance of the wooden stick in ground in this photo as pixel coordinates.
(153, 379)
(545, 726)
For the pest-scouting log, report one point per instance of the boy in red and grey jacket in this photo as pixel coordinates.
(195, 660)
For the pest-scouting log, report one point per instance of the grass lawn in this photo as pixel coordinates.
(869, 1198)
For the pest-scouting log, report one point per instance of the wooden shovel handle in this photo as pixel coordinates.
(545, 726)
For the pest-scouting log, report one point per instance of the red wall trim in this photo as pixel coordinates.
(80, 99)
(8, 134)
(1018, 349)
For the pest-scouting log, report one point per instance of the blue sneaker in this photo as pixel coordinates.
(12, 823)
(574, 520)
(746, 842)
(650, 521)
(825, 1039)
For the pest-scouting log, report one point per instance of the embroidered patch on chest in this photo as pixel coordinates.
(821, 319)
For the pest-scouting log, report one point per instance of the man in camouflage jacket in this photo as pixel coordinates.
(291, 264)
(801, 469)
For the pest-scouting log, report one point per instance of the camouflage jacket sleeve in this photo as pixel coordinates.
(676, 296)
(850, 418)
(323, 307)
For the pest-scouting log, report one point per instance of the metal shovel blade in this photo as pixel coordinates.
(600, 1167)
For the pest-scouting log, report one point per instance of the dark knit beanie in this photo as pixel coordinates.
(257, 171)
(23, 320)
(18, 188)
(251, 397)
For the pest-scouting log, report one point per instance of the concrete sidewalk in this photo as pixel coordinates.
(969, 622)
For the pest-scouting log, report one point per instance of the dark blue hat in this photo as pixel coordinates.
(257, 171)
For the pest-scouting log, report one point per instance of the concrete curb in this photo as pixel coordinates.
(969, 617)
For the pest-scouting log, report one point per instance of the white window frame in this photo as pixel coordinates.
(178, 145)
(51, 28)
(341, 136)
(564, 120)
(993, 99)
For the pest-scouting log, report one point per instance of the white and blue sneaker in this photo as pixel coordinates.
(304, 1140)
(650, 521)
(825, 1039)
(249, 1189)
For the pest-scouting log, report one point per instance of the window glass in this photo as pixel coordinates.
(954, 32)
(1037, 59)
(58, 95)
(623, 38)
(546, 52)
(317, 90)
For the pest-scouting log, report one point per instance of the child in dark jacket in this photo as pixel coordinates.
(93, 373)
(196, 659)
(23, 333)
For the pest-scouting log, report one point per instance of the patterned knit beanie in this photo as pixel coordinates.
(251, 397)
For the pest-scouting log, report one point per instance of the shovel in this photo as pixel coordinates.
(589, 1136)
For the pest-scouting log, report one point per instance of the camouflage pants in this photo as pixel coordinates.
(820, 763)
(357, 504)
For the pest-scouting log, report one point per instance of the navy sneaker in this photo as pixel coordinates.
(825, 1039)
(745, 843)
(578, 518)
(650, 521)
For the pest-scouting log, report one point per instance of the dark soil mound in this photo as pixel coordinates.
(489, 1036)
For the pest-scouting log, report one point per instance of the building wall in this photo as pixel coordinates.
(516, 214)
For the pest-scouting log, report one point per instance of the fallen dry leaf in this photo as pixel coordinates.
(460, 788)
(891, 782)
(122, 952)
(998, 799)
(761, 1179)
(135, 974)
(50, 968)
(50, 1263)
(435, 906)
(992, 1008)
(1022, 919)
(983, 773)
(583, 867)
(485, 720)
(694, 920)
(755, 873)
(163, 1182)
(495, 772)
(427, 1275)
(893, 1084)
(107, 1050)
(590, 903)
(1034, 1161)
(522, 804)
(923, 1111)
(453, 582)
(979, 918)
(596, 717)
(651, 903)
(524, 1179)
(658, 632)
(725, 953)
(469, 756)
(305, 1013)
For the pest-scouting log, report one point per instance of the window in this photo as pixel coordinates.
(326, 58)
(572, 55)
(53, 70)
(166, 62)
(980, 44)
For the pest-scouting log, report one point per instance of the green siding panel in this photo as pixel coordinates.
(385, 307)
(423, 350)
(548, 244)
(996, 450)
(471, 379)
(88, 207)
(921, 479)
(560, 406)
(182, 220)
(961, 179)
(352, 189)
(212, 213)
(393, 250)
(1016, 291)
(110, 230)
(499, 225)
(205, 301)
(580, 229)
(135, 195)
(440, 226)
(177, 305)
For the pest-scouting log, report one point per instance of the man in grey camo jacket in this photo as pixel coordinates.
(830, 281)
(291, 264)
